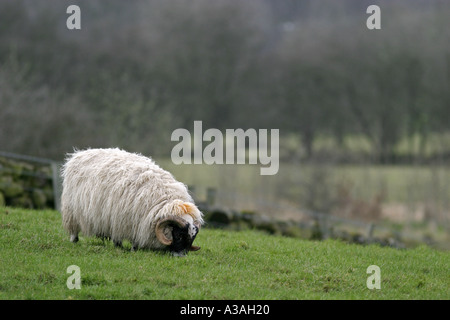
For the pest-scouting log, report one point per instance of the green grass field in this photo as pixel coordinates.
(35, 253)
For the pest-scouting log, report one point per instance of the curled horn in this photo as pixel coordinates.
(163, 224)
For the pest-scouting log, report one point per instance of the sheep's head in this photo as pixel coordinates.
(183, 234)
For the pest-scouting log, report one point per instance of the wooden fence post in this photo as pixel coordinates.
(211, 196)
(57, 185)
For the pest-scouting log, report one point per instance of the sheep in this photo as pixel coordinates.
(117, 195)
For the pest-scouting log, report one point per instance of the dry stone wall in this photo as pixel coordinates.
(25, 184)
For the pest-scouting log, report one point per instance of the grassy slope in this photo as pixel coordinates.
(35, 253)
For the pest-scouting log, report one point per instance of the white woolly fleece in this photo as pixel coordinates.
(121, 195)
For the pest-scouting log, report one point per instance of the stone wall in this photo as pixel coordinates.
(308, 230)
(25, 184)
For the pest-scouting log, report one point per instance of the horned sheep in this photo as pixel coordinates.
(114, 194)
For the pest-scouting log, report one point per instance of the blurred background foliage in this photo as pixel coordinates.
(138, 70)
(346, 99)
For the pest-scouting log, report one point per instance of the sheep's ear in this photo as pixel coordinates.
(194, 248)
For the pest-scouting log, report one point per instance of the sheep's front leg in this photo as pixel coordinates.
(74, 237)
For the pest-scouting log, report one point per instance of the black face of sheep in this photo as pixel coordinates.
(183, 235)
(183, 239)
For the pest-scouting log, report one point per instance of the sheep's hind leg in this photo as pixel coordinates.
(117, 243)
(71, 225)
